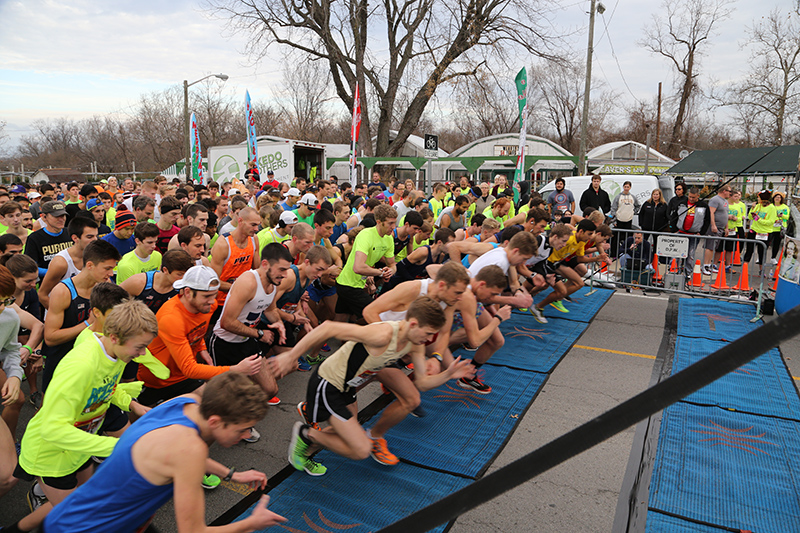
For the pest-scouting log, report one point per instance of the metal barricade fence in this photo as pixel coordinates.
(680, 266)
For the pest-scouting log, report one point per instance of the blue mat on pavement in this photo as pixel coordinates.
(659, 523)
(582, 308)
(733, 470)
(462, 430)
(714, 319)
(762, 386)
(533, 346)
(356, 496)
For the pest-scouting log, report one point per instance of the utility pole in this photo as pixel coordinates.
(587, 89)
(658, 120)
(647, 153)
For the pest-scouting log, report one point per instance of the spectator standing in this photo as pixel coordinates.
(595, 197)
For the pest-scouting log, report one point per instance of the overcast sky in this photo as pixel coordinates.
(89, 57)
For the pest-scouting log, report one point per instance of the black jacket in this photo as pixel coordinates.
(599, 200)
(672, 205)
(654, 216)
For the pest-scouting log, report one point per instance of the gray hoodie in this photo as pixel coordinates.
(9, 347)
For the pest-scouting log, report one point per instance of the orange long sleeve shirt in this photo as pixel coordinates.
(179, 340)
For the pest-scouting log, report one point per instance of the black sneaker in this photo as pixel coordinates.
(419, 412)
(474, 384)
(36, 400)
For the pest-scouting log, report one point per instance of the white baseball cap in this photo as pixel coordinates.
(294, 191)
(288, 217)
(199, 278)
(309, 200)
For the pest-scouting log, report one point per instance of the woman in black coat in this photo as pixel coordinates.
(680, 191)
(654, 215)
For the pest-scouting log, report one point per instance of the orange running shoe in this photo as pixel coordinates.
(380, 452)
(301, 410)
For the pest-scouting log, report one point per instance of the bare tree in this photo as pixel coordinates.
(484, 106)
(680, 36)
(304, 100)
(424, 44)
(556, 102)
(768, 97)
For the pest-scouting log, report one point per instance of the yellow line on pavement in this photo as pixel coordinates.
(795, 377)
(616, 351)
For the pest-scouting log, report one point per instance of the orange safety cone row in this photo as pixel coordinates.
(744, 280)
(656, 272)
(673, 267)
(697, 276)
(737, 259)
(719, 283)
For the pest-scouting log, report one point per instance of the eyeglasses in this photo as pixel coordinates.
(8, 301)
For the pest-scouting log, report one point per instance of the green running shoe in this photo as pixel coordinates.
(211, 482)
(560, 306)
(316, 360)
(297, 453)
(314, 468)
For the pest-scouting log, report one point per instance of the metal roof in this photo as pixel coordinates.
(764, 160)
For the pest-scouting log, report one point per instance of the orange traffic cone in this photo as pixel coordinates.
(656, 272)
(775, 274)
(673, 268)
(744, 280)
(737, 259)
(720, 283)
(697, 276)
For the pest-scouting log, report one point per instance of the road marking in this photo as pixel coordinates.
(795, 377)
(239, 488)
(617, 351)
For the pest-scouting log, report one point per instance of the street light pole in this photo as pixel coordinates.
(587, 89)
(186, 138)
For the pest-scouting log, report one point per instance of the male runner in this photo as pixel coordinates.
(143, 258)
(69, 311)
(281, 232)
(237, 334)
(447, 289)
(371, 245)
(196, 215)
(415, 265)
(43, 244)
(61, 438)
(154, 288)
(146, 459)
(237, 253)
(520, 248)
(183, 322)
(192, 241)
(332, 388)
(122, 236)
(67, 263)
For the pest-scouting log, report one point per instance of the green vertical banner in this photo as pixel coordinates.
(522, 99)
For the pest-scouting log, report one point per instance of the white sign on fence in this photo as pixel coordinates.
(669, 246)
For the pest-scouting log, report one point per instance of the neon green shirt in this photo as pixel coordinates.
(374, 246)
(155, 366)
(131, 264)
(268, 235)
(763, 218)
(111, 216)
(739, 210)
(782, 212)
(62, 435)
(308, 220)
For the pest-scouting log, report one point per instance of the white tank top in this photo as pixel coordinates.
(390, 315)
(251, 312)
(72, 270)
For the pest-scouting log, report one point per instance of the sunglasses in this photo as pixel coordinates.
(8, 301)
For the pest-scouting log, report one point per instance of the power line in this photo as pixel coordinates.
(616, 59)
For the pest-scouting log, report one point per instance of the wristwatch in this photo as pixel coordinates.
(230, 474)
(260, 333)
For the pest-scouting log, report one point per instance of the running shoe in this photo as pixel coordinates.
(559, 305)
(774, 261)
(419, 412)
(474, 384)
(36, 400)
(523, 309)
(567, 298)
(34, 501)
(380, 452)
(714, 269)
(706, 270)
(303, 366)
(315, 360)
(538, 315)
(211, 481)
(297, 454)
(469, 348)
(303, 412)
(326, 347)
(274, 401)
(254, 436)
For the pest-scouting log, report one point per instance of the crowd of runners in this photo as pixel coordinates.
(162, 317)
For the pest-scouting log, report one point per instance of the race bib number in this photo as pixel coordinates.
(360, 379)
(762, 236)
(731, 233)
(92, 425)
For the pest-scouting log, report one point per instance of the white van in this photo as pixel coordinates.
(642, 186)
